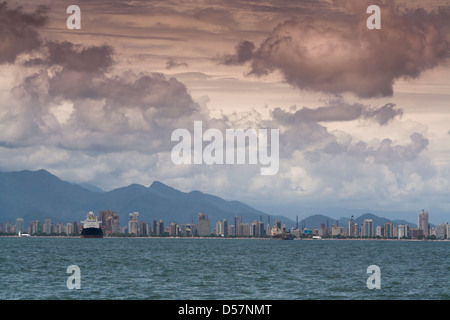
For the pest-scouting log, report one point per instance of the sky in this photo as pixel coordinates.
(363, 114)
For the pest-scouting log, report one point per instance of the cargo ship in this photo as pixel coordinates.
(91, 227)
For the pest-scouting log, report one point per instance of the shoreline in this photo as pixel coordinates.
(234, 238)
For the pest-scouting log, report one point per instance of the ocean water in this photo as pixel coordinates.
(222, 269)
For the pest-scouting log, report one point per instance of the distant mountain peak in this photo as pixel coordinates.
(159, 186)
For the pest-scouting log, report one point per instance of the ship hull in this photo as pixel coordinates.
(91, 233)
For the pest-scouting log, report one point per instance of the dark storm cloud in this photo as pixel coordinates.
(80, 58)
(18, 31)
(172, 63)
(338, 110)
(334, 52)
(386, 152)
(244, 52)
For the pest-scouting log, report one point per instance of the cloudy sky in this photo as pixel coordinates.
(364, 115)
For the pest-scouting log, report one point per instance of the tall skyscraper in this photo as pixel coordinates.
(423, 223)
(133, 223)
(388, 230)
(351, 225)
(160, 230)
(203, 225)
(237, 222)
(368, 230)
(107, 217)
(20, 225)
(403, 231)
(48, 226)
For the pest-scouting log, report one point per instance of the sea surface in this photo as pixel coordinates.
(214, 269)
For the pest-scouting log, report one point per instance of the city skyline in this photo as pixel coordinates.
(363, 114)
(110, 224)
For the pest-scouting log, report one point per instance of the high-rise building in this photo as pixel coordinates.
(219, 228)
(47, 226)
(107, 218)
(8, 227)
(237, 222)
(257, 228)
(76, 228)
(368, 230)
(244, 230)
(403, 231)
(337, 230)
(188, 229)
(388, 230)
(115, 227)
(379, 231)
(69, 228)
(155, 227)
(203, 225)
(142, 228)
(133, 223)
(416, 233)
(440, 231)
(160, 228)
(20, 225)
(423, 223)
(351, 226)
(173, 229)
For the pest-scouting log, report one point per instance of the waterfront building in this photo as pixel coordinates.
(160, 227)
(337, 230)
(203, 225)
(323, 230)
(440, 231)
(423, 223)
(20, 225)
(47, 226)
(8, 227)
(351, 228)
(357, 230)
(403, 231)
(142, 228)
(257, 228)
(69, 228)
(278, 224)
(107, 218)
(115, 226)
(220, 228)
(231, 230)
(416, 233)
(368, 230)
(133, 223)
(173, 229)
(388, 230)
(155, 227)
(379, 231)
(188, 229)
(244, 230)
(76, 228)
(60, 228)
(237, 222)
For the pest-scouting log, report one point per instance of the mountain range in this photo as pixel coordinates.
(36, 195)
